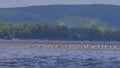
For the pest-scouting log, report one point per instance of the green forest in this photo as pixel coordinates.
(44, 31)
(76, 15)
(80, 22)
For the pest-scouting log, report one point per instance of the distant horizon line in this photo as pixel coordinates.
(56, 5)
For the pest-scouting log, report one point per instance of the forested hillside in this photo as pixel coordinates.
(44, 31)
(75, 15)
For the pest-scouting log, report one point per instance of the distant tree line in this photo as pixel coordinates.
(44, 31)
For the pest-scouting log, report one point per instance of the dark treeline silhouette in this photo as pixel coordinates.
(44, 31)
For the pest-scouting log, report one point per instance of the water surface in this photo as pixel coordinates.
(21, 57)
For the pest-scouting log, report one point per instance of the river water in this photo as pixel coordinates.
(21, 57)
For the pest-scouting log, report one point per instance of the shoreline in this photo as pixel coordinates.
(66, 46)
(53, 40)
(57, 44)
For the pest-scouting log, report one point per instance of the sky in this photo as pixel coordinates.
(22, 3)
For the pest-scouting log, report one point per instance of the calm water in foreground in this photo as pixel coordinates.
(20, 57)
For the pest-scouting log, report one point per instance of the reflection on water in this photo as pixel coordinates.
(57, 58)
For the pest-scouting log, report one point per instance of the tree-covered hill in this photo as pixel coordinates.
(75, 15)
(44, 31)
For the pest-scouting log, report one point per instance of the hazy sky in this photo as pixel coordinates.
(19, 3)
